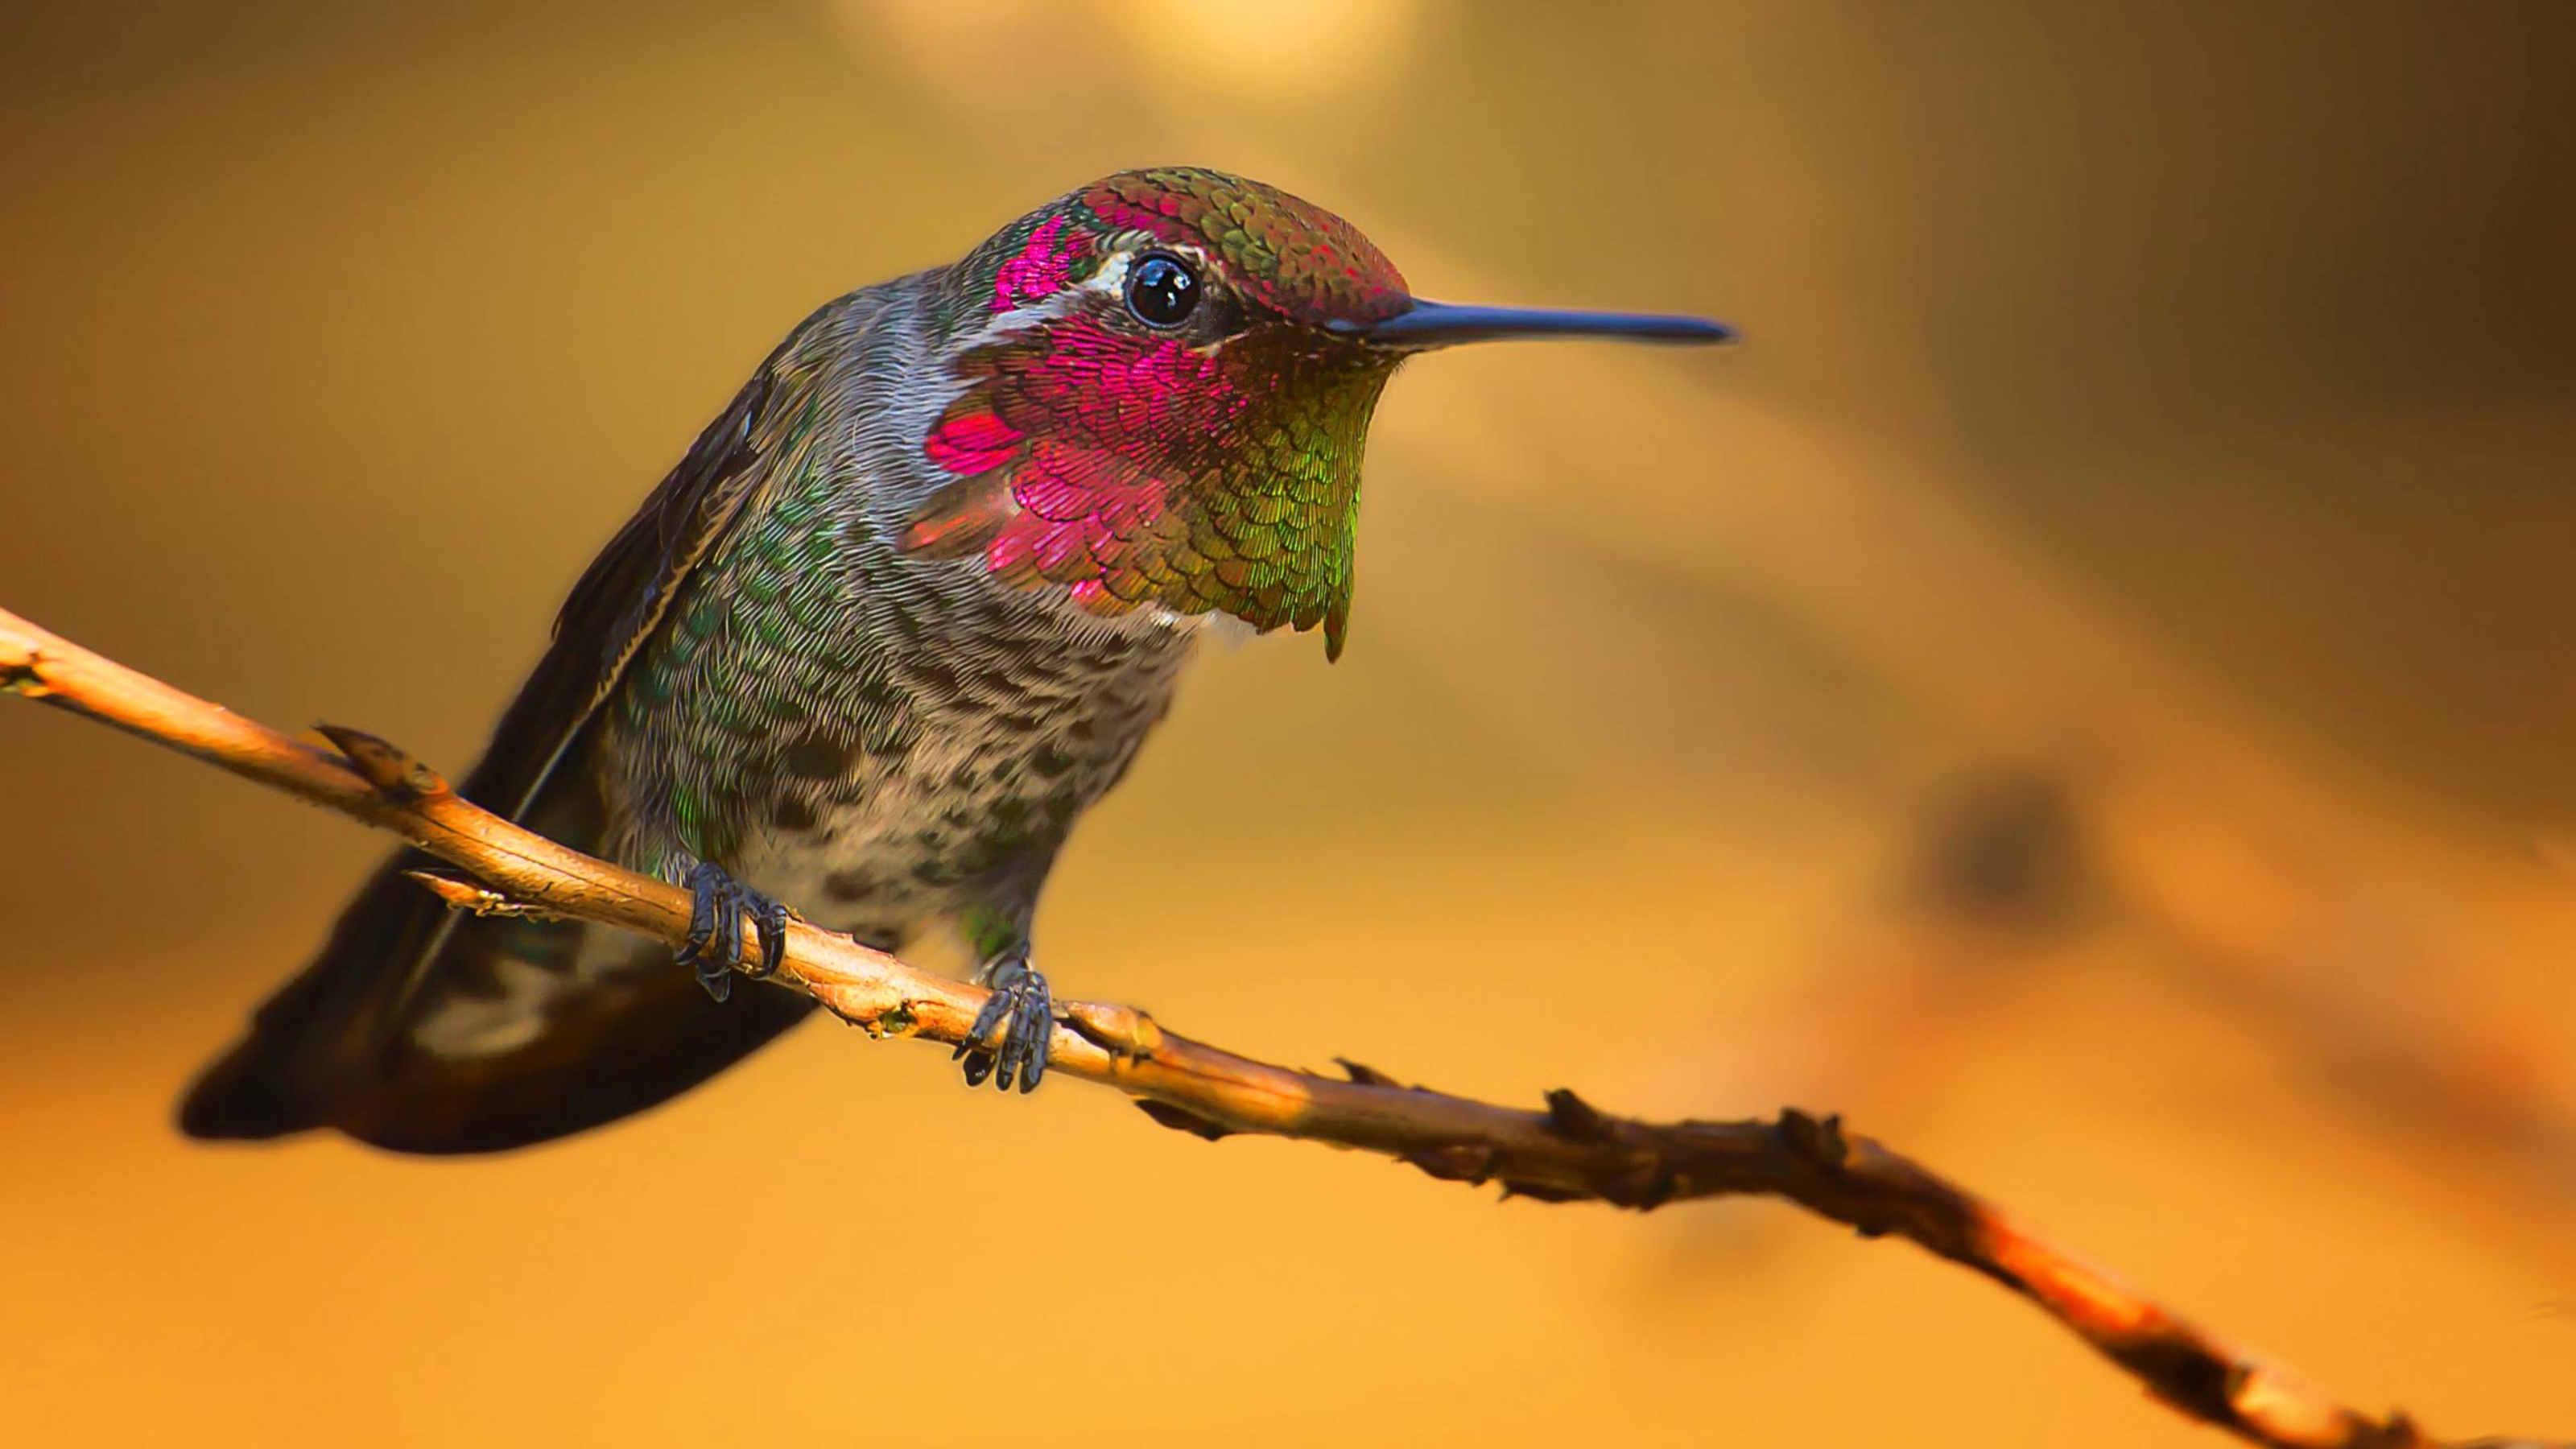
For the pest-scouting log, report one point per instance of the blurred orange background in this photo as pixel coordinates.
(2086, 691)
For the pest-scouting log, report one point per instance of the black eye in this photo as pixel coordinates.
(1162, 290)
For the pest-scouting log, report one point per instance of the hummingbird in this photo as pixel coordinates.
(902, 613)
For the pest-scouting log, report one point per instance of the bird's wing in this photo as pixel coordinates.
(623, 596)
(359, 1041)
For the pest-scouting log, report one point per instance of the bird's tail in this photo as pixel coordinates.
(422, 1030)
(280, 1077)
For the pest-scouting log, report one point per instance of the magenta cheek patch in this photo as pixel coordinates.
(969, 443)
(1043, 267)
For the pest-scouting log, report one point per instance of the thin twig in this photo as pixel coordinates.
(1571, 1151)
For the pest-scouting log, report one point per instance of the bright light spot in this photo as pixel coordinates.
(1278, 49)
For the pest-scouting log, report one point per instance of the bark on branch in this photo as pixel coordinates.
(1570, 1151)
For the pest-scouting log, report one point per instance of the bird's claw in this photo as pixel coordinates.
(718, 906)
(1009, 1038)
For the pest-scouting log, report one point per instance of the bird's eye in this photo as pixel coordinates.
(1162, 290)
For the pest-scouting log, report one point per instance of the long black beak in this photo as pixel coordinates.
(1439, 324)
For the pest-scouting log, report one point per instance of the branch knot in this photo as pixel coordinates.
(395, 772)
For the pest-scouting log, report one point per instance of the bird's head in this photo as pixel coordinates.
(1167, 378)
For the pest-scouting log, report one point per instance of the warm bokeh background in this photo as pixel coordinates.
(2087, 692)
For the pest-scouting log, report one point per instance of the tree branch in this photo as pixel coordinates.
(1569, 1152)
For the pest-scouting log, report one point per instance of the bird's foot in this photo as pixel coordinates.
(1009, 1038)
(718, 906)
